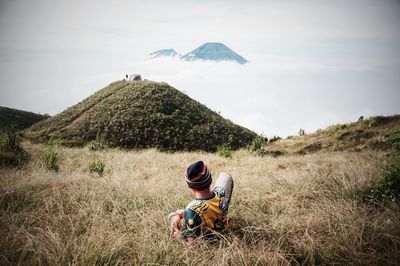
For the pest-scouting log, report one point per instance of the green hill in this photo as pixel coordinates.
(377, 132)
(17, 119)
(143, 114)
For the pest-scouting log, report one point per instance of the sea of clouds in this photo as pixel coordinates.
(272, 96)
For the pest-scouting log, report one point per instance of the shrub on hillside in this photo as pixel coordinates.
(97, 166)
(274, 138)
(49, 160)
(392, 141)
(276, 153)
(54, 142)
(257, 145)
(98, 144)
(11, 152)
(388, 187)
(224, 152)
(378, 120)
(375, 121)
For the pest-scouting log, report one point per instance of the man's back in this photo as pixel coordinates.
(203, 214)
(208, 210)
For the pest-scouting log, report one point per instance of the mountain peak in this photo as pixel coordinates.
(163, 52)
(214, 51)
(213, 44)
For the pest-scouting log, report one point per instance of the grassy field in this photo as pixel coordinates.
(287, 210)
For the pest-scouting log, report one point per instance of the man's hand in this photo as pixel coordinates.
(174, 230)
(190, 241)
(175, 219)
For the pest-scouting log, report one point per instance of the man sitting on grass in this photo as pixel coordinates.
(209, 208)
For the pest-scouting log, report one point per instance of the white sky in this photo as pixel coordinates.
(313, 63)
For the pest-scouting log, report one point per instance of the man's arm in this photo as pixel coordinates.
(191, 225)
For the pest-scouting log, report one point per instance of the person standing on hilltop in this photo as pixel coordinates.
(207, 212)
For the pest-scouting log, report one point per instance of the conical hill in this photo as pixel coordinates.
(143, 114)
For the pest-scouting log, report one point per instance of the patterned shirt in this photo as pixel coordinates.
(200, 215)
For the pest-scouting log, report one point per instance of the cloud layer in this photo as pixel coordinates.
(277, 96)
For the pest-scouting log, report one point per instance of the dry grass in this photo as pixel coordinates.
(291, 210)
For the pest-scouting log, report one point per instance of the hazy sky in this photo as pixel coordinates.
(312, 63)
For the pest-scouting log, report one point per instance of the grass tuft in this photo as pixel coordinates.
(97, 166)
(257, 145)
(50, 159)
(11, 152)
(224, 152)
(388, 187)
(98, 144)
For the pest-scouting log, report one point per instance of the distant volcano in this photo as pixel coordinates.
(214, 52)
(163, 53)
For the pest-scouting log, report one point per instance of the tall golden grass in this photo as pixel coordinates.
(289, 210)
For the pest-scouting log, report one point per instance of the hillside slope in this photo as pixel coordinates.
(142, 114)
(18, 119)
(372, 133)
